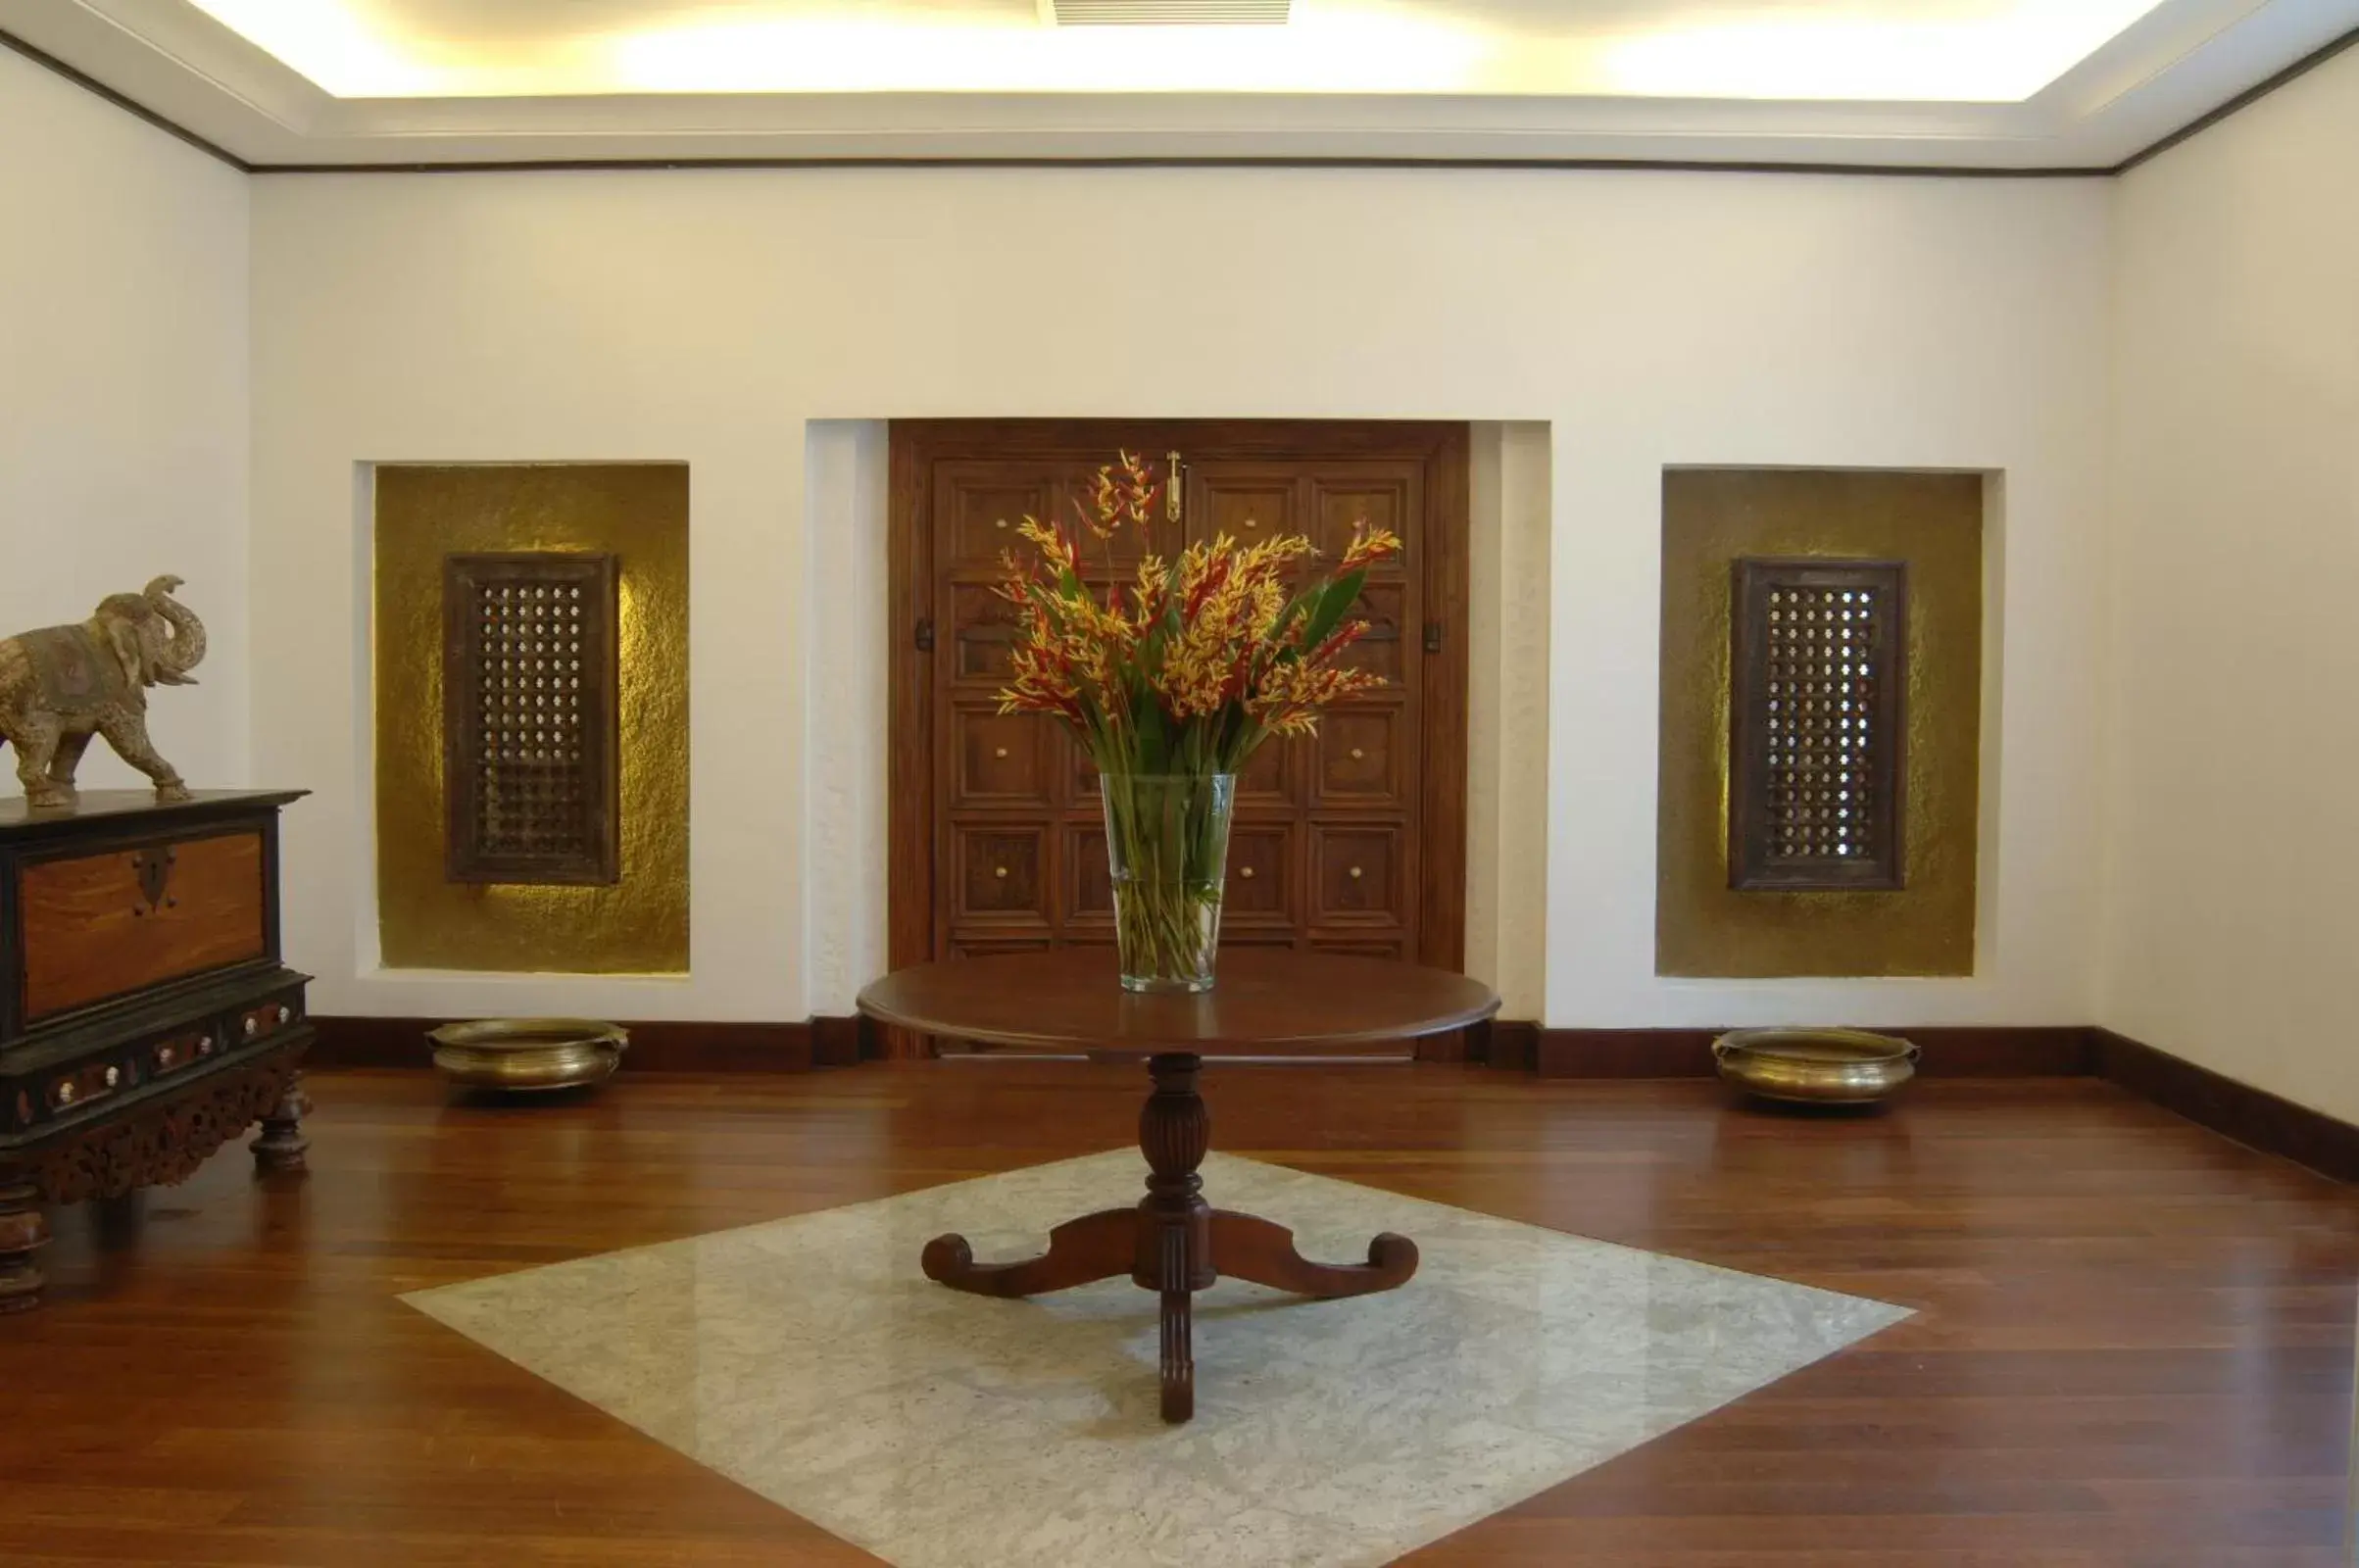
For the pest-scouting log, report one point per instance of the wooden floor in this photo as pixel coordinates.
(2133, 1347)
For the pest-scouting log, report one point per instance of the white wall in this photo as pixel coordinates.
(2233, 848)
(1507, 713)
(123, 394)
(1644, 320)
(845, 809)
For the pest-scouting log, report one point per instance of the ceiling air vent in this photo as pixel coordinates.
(1162, 13)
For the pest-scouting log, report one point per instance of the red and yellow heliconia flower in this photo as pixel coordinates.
(1069, 648)
(1212, 652)
(1125, 493)
(1368, 545)
(1289, 701)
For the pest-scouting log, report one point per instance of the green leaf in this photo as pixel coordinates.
(1338, 596)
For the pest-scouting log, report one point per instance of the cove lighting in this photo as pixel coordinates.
(1368, 52)
(1873, 50)
(327, 42)
(2001, 57)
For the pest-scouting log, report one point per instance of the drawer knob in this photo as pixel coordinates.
(1000, 523)
(1356, 873)
(998, 750)
(1357, 754)
(64, 1093)
(114, 1076)
(1252, 522)
(1246, 871)
(999, 871)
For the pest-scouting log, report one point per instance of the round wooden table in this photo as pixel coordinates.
(1266, 1002)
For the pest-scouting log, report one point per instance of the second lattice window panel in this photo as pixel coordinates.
(1817, 724)
(530, 717)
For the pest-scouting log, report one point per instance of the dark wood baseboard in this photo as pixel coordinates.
(1951, 1051)
(1511, 1045)
(2251, 1116)
(657, 1045)
(2254, 1117)
(841, 1040)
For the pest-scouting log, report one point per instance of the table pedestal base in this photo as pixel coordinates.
(1172, 1243)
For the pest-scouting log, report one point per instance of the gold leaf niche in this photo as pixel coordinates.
(637, 512)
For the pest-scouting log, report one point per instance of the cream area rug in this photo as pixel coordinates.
(809, 1360)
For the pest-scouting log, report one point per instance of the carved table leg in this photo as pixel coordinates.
(1095, 1247)
(281, 1144)
(1173, 1243)
(1246, 1247)
(1176, 1252)
(24, 1232)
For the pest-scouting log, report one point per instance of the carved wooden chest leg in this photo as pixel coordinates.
(24, 1232)
(281, 1144)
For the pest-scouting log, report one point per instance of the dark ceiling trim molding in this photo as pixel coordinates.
(2244, 100)
(129, 106)
(1624, 164)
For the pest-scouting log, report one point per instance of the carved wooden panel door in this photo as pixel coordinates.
(1325, 850)
(1351, 841)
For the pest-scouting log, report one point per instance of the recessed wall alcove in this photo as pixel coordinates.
(1820, 785)
(1504, 631)
(530, 775)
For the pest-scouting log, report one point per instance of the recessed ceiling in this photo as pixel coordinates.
(1933, 51)
(1989, 83)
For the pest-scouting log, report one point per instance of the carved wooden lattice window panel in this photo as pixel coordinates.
(1817, 721)
(530, 717)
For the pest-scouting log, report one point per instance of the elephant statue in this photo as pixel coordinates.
(61, 685)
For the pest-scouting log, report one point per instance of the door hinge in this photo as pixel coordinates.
(1433, 636)
(925, 638)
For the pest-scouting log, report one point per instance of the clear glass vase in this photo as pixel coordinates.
(1167, 844)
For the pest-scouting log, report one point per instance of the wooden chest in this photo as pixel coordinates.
(145, 1017)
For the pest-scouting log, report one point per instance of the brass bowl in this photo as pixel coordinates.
(528, 1053)
(1815, 1066)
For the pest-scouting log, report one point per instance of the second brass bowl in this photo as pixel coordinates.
(1815, 1066)
(528, 1053)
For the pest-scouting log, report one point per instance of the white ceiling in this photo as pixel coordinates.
(1937, 50)
(1997, 83)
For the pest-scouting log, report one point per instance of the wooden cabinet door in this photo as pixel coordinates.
(1342, 805)
(1349, 841)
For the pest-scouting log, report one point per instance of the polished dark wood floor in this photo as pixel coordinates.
(2133, 1347)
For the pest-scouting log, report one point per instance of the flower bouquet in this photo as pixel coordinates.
(1170, 684)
